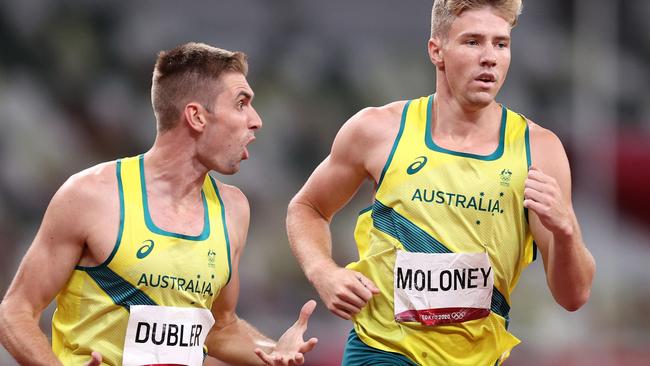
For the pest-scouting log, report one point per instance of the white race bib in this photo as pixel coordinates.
(442, 288)
(159, 335)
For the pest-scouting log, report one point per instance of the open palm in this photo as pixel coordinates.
(291, 347)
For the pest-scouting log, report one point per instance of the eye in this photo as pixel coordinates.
(240, 105)
(472, 42)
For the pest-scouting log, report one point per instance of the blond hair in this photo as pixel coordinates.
(189, 73)
(444, 12)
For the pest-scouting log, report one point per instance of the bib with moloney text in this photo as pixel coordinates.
(442, 288)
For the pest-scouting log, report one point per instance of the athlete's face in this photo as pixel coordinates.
(230, 126)
(475, 57)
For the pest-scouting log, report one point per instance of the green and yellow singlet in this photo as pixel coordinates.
(433, 200)
(150, 270)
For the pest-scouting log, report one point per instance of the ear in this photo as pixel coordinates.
(436, 52)
(194, 116)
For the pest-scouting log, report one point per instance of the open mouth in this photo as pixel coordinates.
(245, 153)
(486, 78)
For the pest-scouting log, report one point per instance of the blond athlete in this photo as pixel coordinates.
(142, 253)
(463, 186)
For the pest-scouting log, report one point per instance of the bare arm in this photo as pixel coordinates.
(234, 340)
(569, 265)
(60, 239)
(358, 153)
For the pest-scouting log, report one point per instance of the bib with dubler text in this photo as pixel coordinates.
(163, 335)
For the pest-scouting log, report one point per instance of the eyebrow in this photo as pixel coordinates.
(245, 94)
(480, 35)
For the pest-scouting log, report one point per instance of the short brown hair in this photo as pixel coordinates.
(188, 73)
(445, 11)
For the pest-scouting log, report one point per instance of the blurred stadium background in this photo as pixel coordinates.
(74, 91)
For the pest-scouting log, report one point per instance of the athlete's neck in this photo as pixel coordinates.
(172, 169)
(457, 126)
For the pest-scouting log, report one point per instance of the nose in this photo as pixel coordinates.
(255, 121)
(488, 56)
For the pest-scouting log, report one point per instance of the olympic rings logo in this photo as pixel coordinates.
(458, 315)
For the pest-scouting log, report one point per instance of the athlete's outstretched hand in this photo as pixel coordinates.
(291, 347)
(96, 359)
(543, 196)
(344, 291)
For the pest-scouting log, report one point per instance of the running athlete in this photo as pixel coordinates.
(142, 253)
(464, 190)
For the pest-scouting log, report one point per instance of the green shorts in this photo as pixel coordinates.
(358, 353)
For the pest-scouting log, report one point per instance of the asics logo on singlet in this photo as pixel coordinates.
(418, 164)
(145, 249)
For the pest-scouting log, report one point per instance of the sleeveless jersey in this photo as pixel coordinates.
(433, 200)
(148, 266)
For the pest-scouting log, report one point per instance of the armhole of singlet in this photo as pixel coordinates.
(365, 210)
(397, 139)
(225, 226)
(529, 163)
(118, 172)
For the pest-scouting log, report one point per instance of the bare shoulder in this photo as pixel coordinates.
(543, 136)
(382, 114)
(548, 155)
(545, 145)
(90, 186)
(95, 177)
(375, 123)
(84, 210)
(233, 198)
(366, 138)
(237, 211)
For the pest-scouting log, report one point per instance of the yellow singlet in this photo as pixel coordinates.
(433, 200)
(148, 266)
